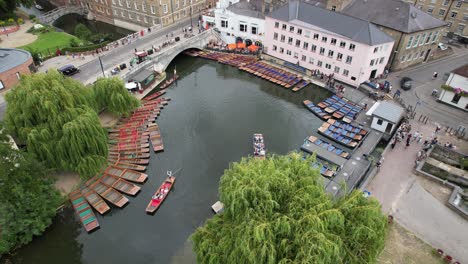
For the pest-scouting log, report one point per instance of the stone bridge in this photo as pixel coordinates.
(51, 16)
(162, 59)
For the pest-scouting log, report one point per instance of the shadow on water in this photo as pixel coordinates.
(209, 123)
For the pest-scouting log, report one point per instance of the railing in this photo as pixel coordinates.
(62, 11)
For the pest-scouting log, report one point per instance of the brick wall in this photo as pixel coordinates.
(9, 78)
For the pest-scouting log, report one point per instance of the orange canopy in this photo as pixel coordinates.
(232, 46)
(253, 48)
(241, 45)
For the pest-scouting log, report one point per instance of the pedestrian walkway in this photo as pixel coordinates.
(19, 38)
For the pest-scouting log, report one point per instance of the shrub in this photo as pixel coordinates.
(20, 21)
(85, 48)
(2, 23)
(11, 21)
(31, 17)
(74, 43)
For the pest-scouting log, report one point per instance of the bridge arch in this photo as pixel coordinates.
(51, 16)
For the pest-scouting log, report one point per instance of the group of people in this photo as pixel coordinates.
(259, 146)
(160, 195)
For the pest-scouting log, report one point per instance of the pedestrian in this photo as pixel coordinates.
(437, 129)
(135, 49)
(420, 138)
(408, 142)
(167, 36)
(365, 106)
(416, 136)
(434, 76)
(394, 141)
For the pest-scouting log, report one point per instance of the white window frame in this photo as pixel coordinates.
(153, 10)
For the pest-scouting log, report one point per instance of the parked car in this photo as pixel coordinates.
(68, 70)
(442, 46)
(39, 7)
(406, 83)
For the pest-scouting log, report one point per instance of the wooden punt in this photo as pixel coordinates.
(128, 165)
(115, 160)
(328, 146)
(84, 211)
(160, 195)
(130, 149)
(258, 146)
(126, 174)
(128, 135)
(130, 152)
(157, 143)
(130, 156)
(128, 140)
(94, 200)
(300, 86)
(120, 184)
(107, 192)
(337, 138)
(128, 146)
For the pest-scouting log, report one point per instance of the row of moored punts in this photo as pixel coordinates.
(335, 107)
(343, 133)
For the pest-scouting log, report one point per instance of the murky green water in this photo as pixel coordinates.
(214, 111)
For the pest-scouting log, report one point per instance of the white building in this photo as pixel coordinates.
(385, 116)
(237, 20)
(455, 91)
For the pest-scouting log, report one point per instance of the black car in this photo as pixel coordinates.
(68, 70)
(406, 83)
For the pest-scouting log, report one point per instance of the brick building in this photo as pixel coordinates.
(13, 64)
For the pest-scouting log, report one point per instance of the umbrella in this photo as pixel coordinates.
(130, 85)
(253, 48)
(241, 45)
(232, 46)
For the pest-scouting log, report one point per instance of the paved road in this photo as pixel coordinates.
(123, 54)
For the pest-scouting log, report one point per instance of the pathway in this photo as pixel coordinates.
(19, 38)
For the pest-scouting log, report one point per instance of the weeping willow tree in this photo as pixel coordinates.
(112, 95)
(56, 118)
(276, 211)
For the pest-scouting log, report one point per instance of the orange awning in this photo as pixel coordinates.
(232, 46)
(253, 48)
(241, 45)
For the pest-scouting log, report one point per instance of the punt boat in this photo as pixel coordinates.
(258, 146)
(94, 200)
(84, 211)
(160, 195)
(120, 184)
(107, 192)
(126, 174)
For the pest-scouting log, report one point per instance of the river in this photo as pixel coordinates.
(209, 123)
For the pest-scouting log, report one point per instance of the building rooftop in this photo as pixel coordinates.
(11, 58)
(247, 8)
(462, 71)
(388, 111)
(350, 27)
(394, 14)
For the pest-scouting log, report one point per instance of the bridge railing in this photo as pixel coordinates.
(62, 10)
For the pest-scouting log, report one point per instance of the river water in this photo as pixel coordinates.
(209, 123)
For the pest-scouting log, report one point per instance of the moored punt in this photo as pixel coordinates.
(94, 200)
(126, 174)
(129, 141)
(128, 146)
(316, 110)
(301, 85)
(120, 184)
(169, 82)
(107, 192)
(115, 160)
(157, 142)
(258, 146)
(329, 147)
(160, 195)
(84, 211)
(129, 156)
(123, 135)
(155, 95)
(128, 165)
(348, 127)
(130, 150)
(337, 137)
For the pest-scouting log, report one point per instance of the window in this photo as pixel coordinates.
(275, 47)
(353, 78)
(115, 13)
(305, 45)
(120, 2)
(339, 56)
(441, 12)
(296, 55)
(429, 38)
(304, 58)
(288, 52)
(113, 2)
(290, 40)
(446, 2)
(345, 72)
(165, 8)
(333, 41)
(349, 59)
(421, 42)
(291, 29)
(1, 85)
(333, 8)
(337, 69)
(403, 58)
(410, 41)
(122, 14)
(283, 38)
(254, 30)
(138, 17)
(298, 43)
(275, 36)
(342, 44)
(313, 48)
(381, 60)
(135, 4)
(224, 23)
(327, 66)
(456, 98)
(145, 19)
(330, 53)
(372, 62)
(307, 34)
(242, 27)
(453, 14)
(409, 57)
(128, 4)
(284, 26)
(153, 11)
(322, 51)
(376, 49)
(324, 39)
(460, 28)
(129, 15)
(276, 24)
(421, 54)
(430, 10)
(316, 36)
(299, 31)
(319, 63)
(458, 4)
(434, 38)
(416, 41)
(281, 50)
(379, 122)
(311, 60)
(352, 47)
(465, 17)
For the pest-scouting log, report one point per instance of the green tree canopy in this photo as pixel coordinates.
(111, 94)
(82, 32)
(276, 211)
(8, 6)
(28, 201)
(56, 118)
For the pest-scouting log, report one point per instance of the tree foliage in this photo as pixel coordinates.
(82, 32)
(56, 118)
(276, 211)
(28, 201)
(111, 94)
(8, 6)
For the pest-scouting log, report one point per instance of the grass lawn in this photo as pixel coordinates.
(48, 42)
